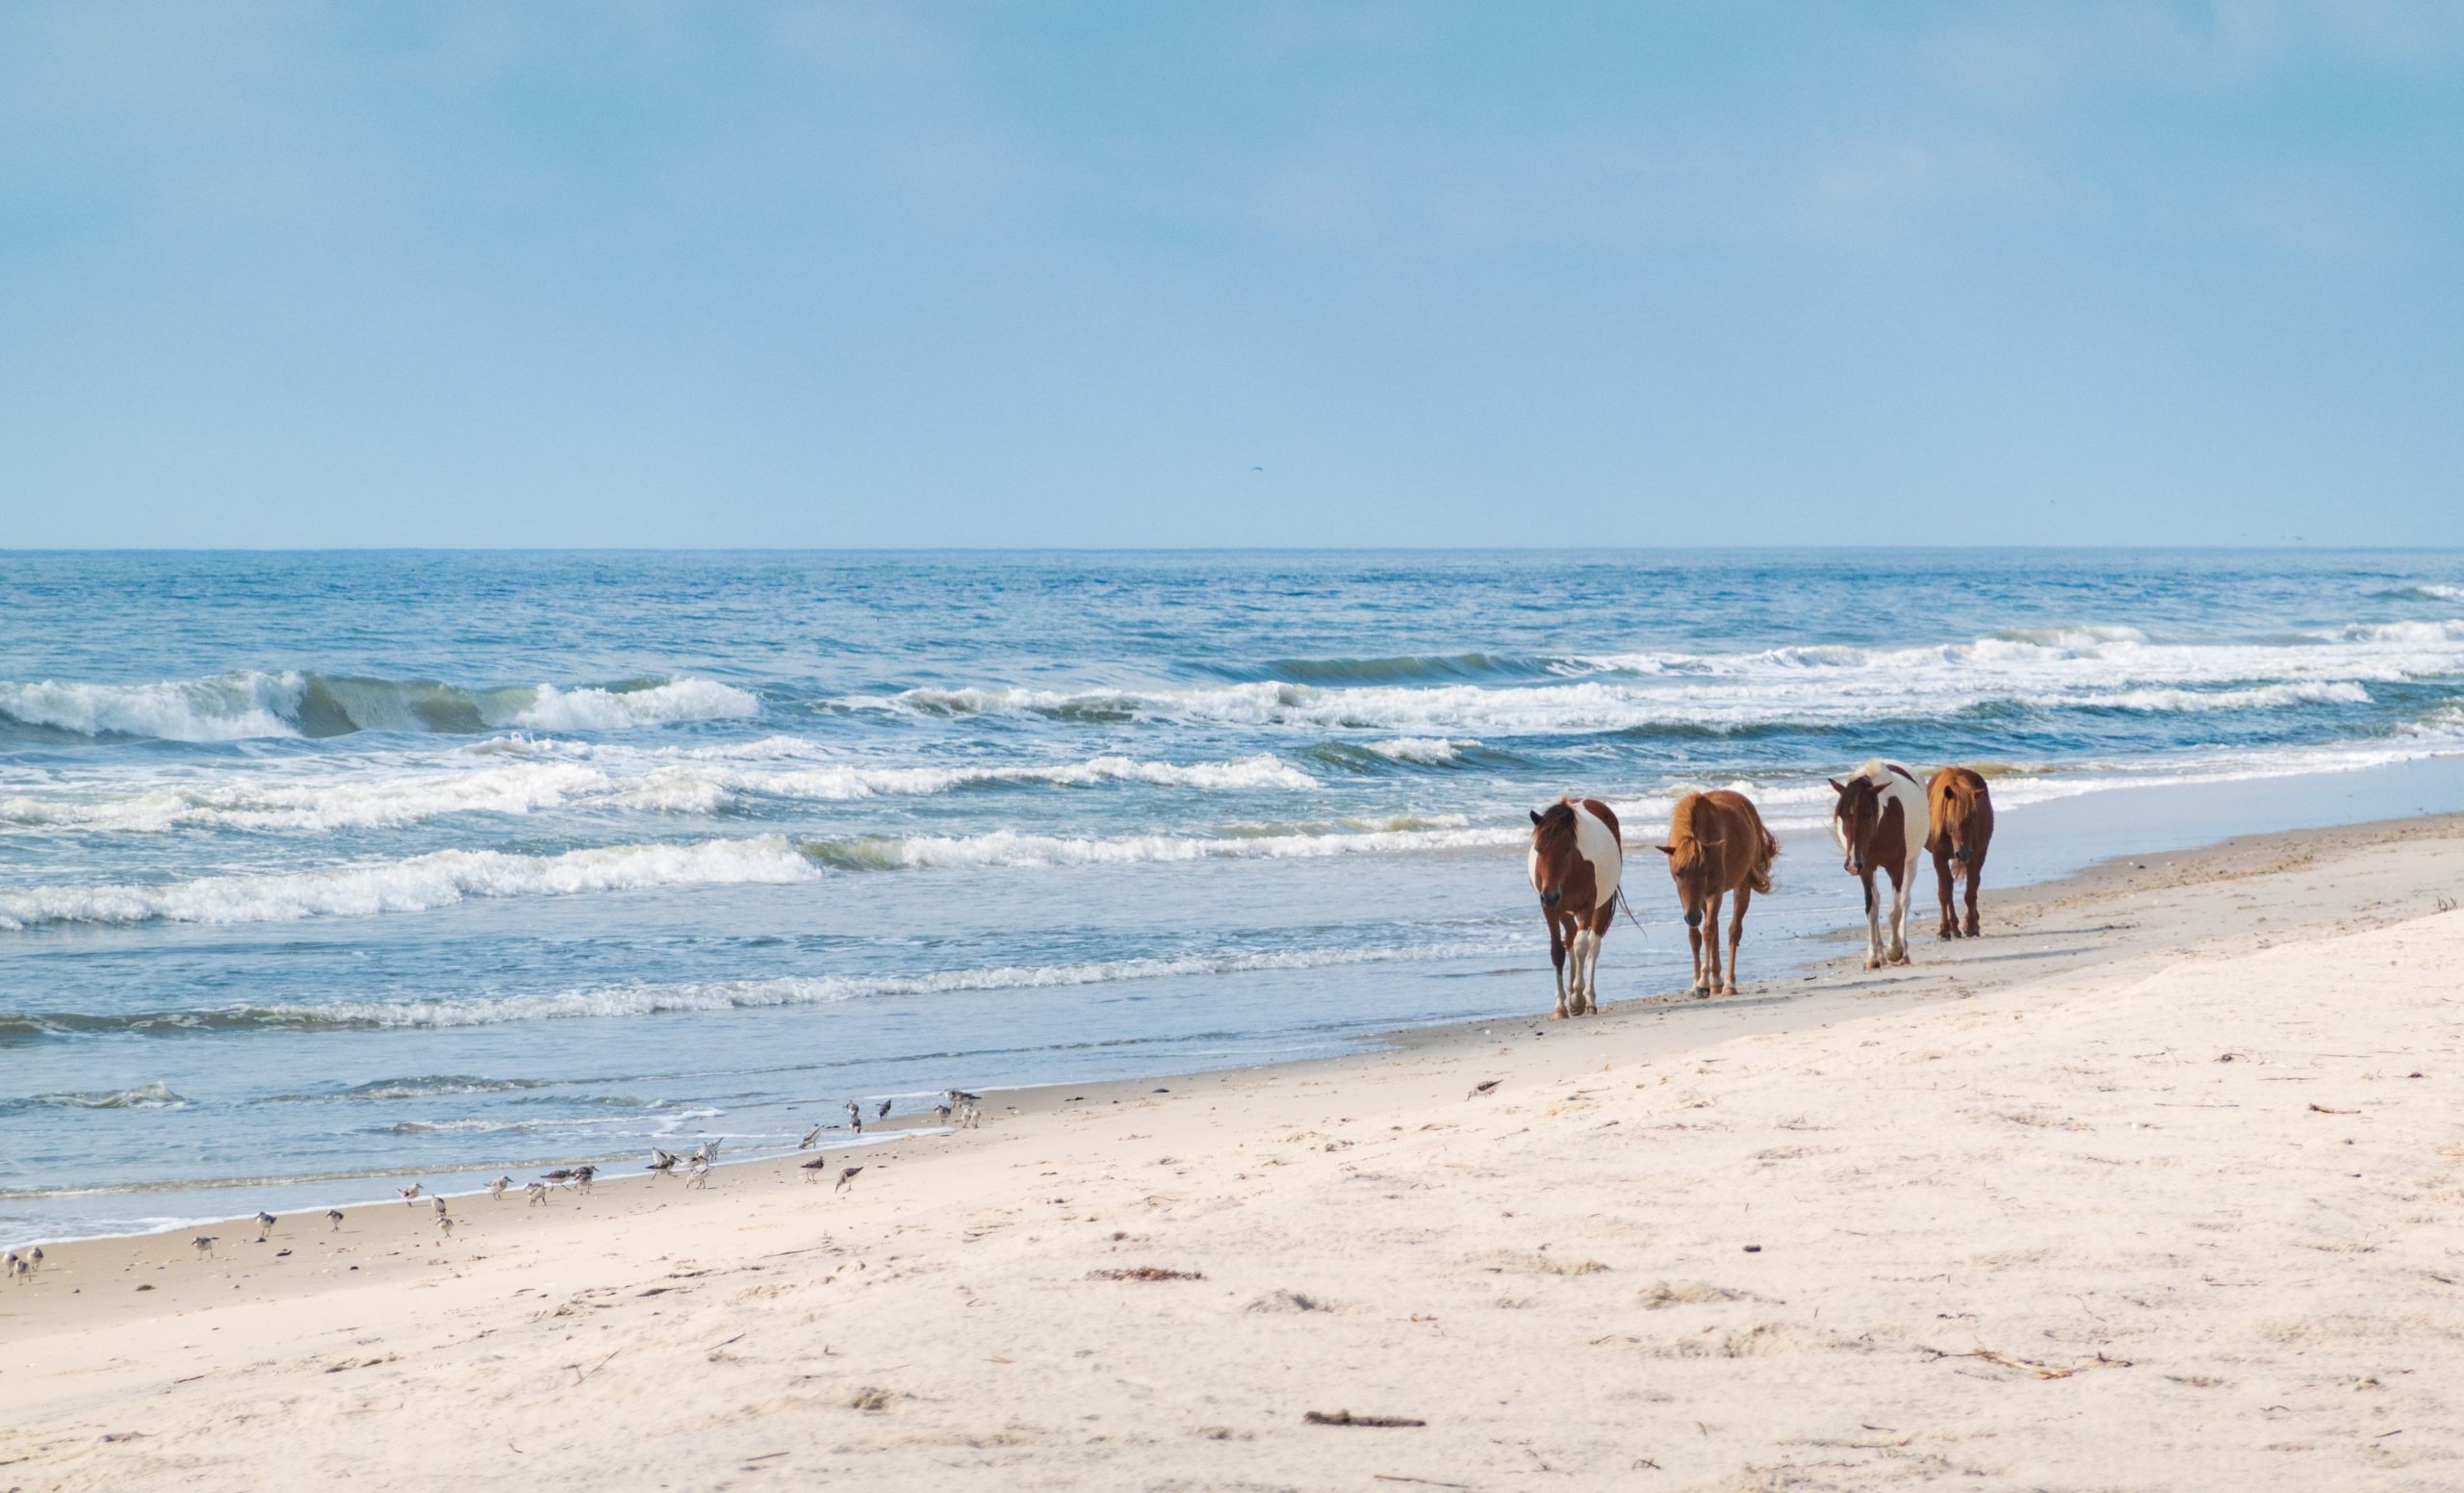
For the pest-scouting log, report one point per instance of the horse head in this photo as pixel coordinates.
(1854, 818)
(1690, 864)
(1552, 852)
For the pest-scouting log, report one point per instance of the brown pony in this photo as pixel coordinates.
(1578, 857)
(1716, 845)
(1959, 827)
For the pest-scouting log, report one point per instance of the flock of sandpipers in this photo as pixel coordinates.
(954, 1107)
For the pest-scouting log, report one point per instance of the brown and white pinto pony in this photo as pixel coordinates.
(1576, 860)
(1716, 845)
(1877, 821)
(1959, 827)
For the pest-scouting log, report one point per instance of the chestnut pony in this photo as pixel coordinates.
(1877, 821)
(1716, 845)
(1959, 827)
(1577, 858)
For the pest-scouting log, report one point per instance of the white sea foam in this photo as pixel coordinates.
(418, 883)
(143, 1096)
(227, 707)
(251, 703)
(2178, 701)
(277, 798)
(552, 709)
(1429, 751)
(1011, 848)
(259, 800)
(2050, 668)
(823, 990)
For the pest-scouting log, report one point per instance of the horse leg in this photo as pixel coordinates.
(1975, 874)
(1557, 959)
(1579, 975)
(1873, 923)
(1902, 886)
(1600, 919)
(1736, 932)
(1712, 979)
(1950, 928)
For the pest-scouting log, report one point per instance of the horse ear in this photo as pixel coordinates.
(1535, 816)
(1837, 786)
(1668, 850)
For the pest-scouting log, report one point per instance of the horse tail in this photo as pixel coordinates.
(1759, 877)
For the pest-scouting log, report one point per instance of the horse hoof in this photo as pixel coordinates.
(1729, 989)
(1871, 962)
(1557, 1014)
(1973, 933)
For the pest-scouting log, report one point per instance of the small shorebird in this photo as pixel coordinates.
(265, 1224)
(884, 1112)
(811, 1138)
(814, 1168)
(855, 1118)
(203, 1243)
(562, 1176)
(496, 1188)
(707, 1151)
(662, 1162)
(941, 1112)
(18, 1269)
(440, 1206)
(699, 1174)
(582, 1177)
(537, 1192)
(846, 1176)
(34, 1259)
(409, 1193)
(334, 1216)
(445, 1225)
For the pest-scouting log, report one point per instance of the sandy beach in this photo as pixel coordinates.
(2154, 1186)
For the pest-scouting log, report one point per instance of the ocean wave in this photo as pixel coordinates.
(748, 994)
(427, 1087)
(1010, 848)
(260, 803)
(251, 703)
(621, 709)
(2424, 591)
(2085, 667)
(259, 800)
(418, 883)
(1404, 668)
(2173, 702)
(143, 1096)
(1426, 751)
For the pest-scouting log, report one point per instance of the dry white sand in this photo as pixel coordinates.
(2119, 1196)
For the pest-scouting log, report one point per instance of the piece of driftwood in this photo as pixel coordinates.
(1346, 1418)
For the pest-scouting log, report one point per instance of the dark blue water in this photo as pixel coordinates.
(315, 867)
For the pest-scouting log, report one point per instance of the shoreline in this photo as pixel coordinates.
(1853, 1180)
(1797, 969)
(1840, 990)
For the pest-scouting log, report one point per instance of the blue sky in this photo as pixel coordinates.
(1071, 274)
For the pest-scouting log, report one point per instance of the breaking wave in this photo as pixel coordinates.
(418, 883)
(143, 1096)
(571, 774)
(251, 703)
(2084, 667)
(741, 995)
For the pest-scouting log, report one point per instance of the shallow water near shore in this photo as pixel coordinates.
(315, 870)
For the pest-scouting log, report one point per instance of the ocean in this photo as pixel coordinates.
(322, 871)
